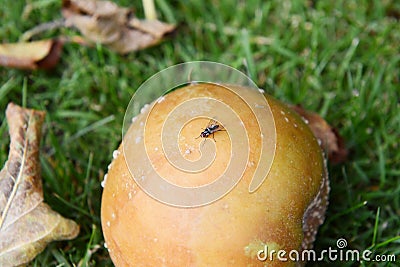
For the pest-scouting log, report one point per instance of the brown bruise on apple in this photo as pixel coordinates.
(141, 231)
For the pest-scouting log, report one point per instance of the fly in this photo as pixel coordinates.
(211, 129)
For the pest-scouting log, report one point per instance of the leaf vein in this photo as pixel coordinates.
(19, 178)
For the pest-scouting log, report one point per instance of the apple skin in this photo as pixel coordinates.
(283, 214)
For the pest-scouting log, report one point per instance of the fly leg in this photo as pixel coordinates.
(214, 138)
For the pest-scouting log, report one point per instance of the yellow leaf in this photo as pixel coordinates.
(27, 224)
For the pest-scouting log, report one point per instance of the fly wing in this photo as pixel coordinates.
(215, 125)
(211, 123)
(220, 126)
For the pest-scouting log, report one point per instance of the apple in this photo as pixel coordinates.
(240, 228)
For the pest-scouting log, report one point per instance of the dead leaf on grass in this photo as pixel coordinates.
(113, 26)
(331, 142)
(27, 224)
(31, 55)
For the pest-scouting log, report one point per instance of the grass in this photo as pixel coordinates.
(338, 58)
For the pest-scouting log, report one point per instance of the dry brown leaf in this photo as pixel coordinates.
(331, 142)
(27, 224)
(113, 26)
(31, 55)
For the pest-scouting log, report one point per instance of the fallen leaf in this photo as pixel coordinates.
(31, 55)
(331, 142)
(27, 224)
(116, 27)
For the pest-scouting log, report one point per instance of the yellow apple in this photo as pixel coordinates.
(239, 229)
